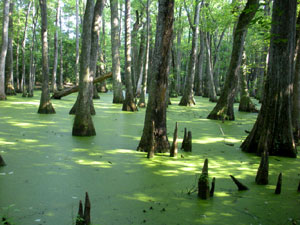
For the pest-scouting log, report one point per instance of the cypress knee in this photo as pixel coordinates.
(173, 151)
(279, 183)
(2, 163)
(241, 187)
(263, 170)
(203, 184)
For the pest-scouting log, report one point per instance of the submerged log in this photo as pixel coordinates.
(2, 163)
(241, 187)
(279, 183)
(203, 184)
(174, 147)
(68, 91)
(263, 170)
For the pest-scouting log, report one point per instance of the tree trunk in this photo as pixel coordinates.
(77, 44)
(246, 104)
(32, 48)
(61, 65)
(140, 66)
(115, 44)
(224, 108)
(45, 104)
(142, 102)
(272, 131)
(5, 23)
(128, 104)
(178, 55)
(18, 86)
(23, 46)
(199, 73)
(210, 75)
(9, 78)
(296, 86)
(96, 27)
(156, 109)
(83, 123)
(54, 76)
(188, 95)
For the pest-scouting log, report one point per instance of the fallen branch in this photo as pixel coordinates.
(68, 91)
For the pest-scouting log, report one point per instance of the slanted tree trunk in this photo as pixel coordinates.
(83, 123)
(61, 64)
(272, 131)
(77, 43)
(32, 48)
(246, 104)
(296, 86)
(188, 93)
(5, 23)
(115, 44)
(54, 73)
(224, 108)
(23, 46)
(9, 78)
(102, 67)
(45, 104)
(156, 108)
(128, 103)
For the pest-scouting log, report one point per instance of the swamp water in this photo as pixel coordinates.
(48, 170)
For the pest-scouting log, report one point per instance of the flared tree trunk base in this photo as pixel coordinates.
(46, 109)
(213, 99)
(95, 93)
(187, 101)
(223, 113)
(73, 109)
(161, 145)
(129, 105)
(83, 126)
(2, 97)
(10, 91)
(246, 105)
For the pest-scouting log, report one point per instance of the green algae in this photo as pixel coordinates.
(48, 170)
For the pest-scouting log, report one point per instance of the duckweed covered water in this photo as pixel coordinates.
(48, 171)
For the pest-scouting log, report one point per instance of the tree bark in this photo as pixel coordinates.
(199, 73)
(156, 109)
(9, 78)
(55, 58)
(83, 123)
(23, 47)
(140, 66)
(32, 48)
(188, 93)
(5, 23)
(142, 101)
(246, 104)
(296, 86)
(210, 74)
(272, 131)
(224, 108)
(45, 104)
(128, 103)
(77, 43)
(61, 65)
(115, 44)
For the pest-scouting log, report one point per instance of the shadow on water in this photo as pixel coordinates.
(48, 170)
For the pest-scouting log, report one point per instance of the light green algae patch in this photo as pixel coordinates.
(48, 171)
